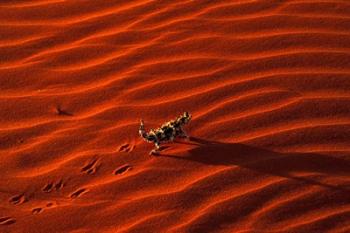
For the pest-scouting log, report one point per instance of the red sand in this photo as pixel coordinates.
(267, 82)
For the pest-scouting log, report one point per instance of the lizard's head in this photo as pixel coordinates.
(185, 118)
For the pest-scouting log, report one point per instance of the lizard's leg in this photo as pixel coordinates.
(155, 151)
(183, 134)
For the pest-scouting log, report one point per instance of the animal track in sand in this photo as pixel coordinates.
(37, 210)
(59, 185)
(126, 148)
(18, 199)
(50, 186)
(50, 204)
(122, 169)
(62, 112)
(78, 193)
(7, 220)
(90, 167)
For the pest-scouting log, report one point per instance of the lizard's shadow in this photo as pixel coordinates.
(267, 161)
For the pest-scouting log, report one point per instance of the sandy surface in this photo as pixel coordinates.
(267, 83)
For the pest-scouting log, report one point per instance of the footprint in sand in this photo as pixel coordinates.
(62, 112)
(50, 204)
(7, 220)
(122, 169)
(37, 210)
(51, 186)
(48, 187)
(90, 167)
(126, 148)
(59, 185)
(18, 199)
(78, 193)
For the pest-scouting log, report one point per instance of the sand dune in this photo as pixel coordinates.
(267, 83)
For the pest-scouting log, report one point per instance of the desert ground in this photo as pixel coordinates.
(268, 86)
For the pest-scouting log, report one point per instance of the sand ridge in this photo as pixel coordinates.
(267, 83)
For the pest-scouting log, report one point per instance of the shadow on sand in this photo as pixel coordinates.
(269, 162)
